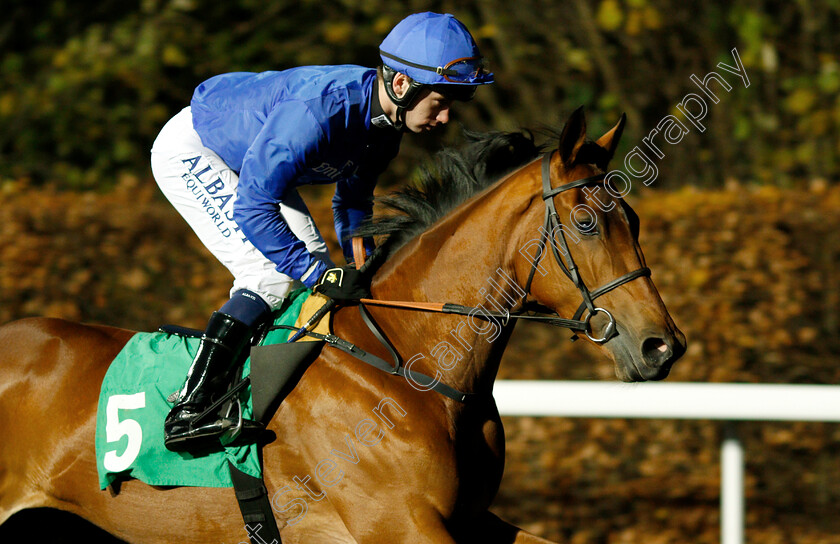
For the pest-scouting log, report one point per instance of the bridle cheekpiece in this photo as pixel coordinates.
(553, 224)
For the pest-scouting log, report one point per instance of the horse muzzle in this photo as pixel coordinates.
(650, 359)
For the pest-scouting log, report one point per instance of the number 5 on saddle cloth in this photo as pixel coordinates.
(133, 403)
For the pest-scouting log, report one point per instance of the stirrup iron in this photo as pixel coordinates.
(233, 432)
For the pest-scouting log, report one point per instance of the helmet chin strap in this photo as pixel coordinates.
(403, 102)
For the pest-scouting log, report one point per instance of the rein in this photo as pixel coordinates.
(458, 309)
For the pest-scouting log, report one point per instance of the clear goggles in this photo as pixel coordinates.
(464, 70)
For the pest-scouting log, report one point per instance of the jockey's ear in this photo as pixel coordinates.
(609, 141)
(400, 84)
(572, 137)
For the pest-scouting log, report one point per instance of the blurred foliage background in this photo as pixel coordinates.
(740, 227)
(85, 86)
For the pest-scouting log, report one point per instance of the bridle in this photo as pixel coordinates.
(553, 224)
(528, 309)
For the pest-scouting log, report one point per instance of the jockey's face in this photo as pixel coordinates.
(430, 109)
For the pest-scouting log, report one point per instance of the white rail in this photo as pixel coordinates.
(665, 400)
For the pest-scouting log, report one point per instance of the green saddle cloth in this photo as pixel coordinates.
(133, 405)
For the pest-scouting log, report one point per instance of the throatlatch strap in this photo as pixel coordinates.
(255, 506)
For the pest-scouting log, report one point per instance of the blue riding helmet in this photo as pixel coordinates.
(432, 49)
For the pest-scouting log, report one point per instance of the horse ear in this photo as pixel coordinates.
(609, 141)
(572, 137)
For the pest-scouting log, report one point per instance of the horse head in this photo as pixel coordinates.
(587, 261)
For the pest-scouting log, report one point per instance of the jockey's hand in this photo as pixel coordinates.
(344, 284)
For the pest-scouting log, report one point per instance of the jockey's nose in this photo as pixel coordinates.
(443, 116)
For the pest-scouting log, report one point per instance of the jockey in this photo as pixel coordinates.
(231, 163)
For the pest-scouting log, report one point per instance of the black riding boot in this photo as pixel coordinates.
(207, 379)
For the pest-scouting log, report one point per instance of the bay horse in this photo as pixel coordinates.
(362, 456)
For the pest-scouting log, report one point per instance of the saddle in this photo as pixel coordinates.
(276, 364)
(276, 367)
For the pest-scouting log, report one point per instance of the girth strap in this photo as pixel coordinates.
(255, 506)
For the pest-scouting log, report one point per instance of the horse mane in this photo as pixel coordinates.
(453, 176)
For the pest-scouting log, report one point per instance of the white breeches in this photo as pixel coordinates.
(203, 189)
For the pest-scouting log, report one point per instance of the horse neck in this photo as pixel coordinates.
(467, 258)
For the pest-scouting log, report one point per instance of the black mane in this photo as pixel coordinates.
(453, 177)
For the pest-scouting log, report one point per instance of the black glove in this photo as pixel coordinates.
(344, 284)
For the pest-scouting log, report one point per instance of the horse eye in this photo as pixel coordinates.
(583, 218)
(588, 227)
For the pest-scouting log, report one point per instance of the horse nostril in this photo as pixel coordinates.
(656, 351)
